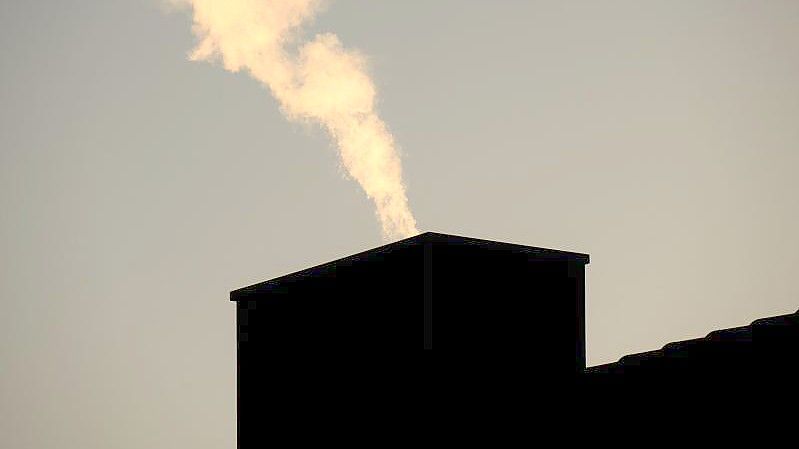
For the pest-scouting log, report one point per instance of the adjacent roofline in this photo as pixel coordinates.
(733, 334)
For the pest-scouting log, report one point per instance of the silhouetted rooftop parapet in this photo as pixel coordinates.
(329, 268)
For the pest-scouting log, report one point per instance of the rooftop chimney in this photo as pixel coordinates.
(511, 308)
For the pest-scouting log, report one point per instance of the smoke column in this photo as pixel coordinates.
(317, 81)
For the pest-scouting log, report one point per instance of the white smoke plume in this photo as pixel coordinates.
(318, 81)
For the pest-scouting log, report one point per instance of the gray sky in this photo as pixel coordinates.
(137, 188)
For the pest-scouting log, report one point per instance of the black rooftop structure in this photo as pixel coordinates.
(490, 294)
(490, 310)
(766, 352)
(509, 326)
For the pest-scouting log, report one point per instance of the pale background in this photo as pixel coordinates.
(137, 189)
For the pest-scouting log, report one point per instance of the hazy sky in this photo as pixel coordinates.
(137, 188)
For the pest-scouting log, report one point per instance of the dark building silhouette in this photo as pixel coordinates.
(491, 310)
(500, 322)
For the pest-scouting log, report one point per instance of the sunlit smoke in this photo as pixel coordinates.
(317, 81)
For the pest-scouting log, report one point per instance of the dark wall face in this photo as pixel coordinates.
(499, 304)
(362, 307)
(327, 341)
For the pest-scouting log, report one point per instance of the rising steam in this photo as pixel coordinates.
(316, 81)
